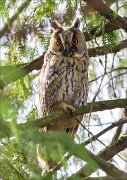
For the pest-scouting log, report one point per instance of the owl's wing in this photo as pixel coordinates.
(49, 82)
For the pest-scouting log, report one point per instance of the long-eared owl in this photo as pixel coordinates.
(63, 81)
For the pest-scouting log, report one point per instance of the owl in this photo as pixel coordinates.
(63, 81)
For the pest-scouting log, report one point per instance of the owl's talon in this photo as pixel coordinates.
(67, 108)
(70, 108)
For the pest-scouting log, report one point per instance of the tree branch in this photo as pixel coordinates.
(109, 27)
(90, 107)
(86, 9)
(105, 11)
(111, 148)
(94, 138)
(97, 106)
(106, 154)
(114, 148)
(107, 167)
(8, 25)
(99, 178)
(21, 71)
(37, 63)
(116, 69)
(55, 116)
(102, 50)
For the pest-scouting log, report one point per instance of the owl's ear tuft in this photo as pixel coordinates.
(76, 23)
(55, 25)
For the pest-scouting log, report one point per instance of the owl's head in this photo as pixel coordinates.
(67, 41)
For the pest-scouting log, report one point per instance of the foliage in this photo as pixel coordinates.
(27, 38)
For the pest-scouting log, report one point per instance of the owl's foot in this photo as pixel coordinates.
(67, 107)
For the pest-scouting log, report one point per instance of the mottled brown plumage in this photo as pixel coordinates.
(63, 81)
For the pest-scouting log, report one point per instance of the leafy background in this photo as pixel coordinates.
(26, 36)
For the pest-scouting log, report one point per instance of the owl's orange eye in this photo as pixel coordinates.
(59, 43)
(75, 41)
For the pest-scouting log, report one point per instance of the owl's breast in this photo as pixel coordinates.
(72, 78)
(62, 79)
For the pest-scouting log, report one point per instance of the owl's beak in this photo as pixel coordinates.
(67, 50)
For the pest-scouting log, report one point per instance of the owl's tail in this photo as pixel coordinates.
(42, 162)
(68, 125)
(47, 166)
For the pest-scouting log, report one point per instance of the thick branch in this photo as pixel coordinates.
(90, 107)
(107, 167)
(105, 50)
(22, 71)
(114, 148)
(105, 11)
(106, 154)
(37, 63)
(8, 25)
